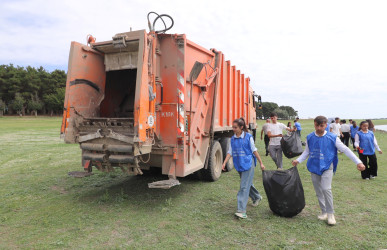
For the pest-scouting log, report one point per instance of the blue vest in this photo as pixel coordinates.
(298, 125)
(242, 155)
(354, 130)
(367, 142)
(322, 153)
(327, 128)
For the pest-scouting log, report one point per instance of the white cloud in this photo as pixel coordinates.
(321, 57)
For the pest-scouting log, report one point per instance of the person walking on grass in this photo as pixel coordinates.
(353, 128)
(289, 133)
(275, 133)
(336, 128)
(244, 155)
(264, 131)
(321, 148)
(298, 126)
(345, 129)
(365, 142)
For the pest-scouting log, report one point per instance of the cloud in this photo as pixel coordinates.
(325, 57)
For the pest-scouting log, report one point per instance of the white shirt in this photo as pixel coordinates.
(357, 142)
(264, 127)
(276, 129)
(335, 128)
(345, 128)
(339, 145)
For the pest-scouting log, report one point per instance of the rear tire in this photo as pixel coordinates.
(214, 168)
(225, 144)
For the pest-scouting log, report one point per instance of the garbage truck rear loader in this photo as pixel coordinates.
(146, 100)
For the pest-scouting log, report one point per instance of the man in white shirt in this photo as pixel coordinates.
(345, 129)
(336, 127)
(264, 131)
(274, 132)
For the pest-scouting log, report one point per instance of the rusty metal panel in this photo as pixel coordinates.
(167, 111)
(85, 88)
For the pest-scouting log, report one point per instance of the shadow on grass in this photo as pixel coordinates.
(129, 191)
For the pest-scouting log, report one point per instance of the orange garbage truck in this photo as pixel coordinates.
(153, 99)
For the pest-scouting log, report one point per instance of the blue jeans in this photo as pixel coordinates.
(247, 189)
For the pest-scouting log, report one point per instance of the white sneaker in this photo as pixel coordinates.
(241, 215)
(367, 179)
(372, 177)
(256, 202)
(331, 219)
(322, 216)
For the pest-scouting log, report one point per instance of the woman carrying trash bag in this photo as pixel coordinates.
(244, 155)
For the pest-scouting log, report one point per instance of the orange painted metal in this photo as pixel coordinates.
(85, 87)
(181, 134)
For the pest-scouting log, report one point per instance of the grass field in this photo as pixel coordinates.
(42, 207)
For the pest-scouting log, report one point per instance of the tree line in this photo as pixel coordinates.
(283, 112)
(35, 90)
(31, 90)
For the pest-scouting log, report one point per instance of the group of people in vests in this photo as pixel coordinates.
(363, 141)
(321, 153)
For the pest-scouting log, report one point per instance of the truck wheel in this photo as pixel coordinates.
(214, 169)
(225, 144)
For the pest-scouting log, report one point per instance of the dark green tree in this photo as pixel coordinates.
(18, 103)
(29, 81)
(267, 108)
(292, 113)
(54, 101)
(2, 107)
(35, 104)
(282, 114)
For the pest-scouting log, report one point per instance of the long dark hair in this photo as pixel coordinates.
(241, 123)
(370, 125)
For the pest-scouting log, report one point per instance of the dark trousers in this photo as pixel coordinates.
(346, 137)
(353, 142)
(267, 140)
(371, 167)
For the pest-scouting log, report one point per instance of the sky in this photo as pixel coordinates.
(320, 57)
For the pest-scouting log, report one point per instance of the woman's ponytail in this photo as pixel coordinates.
(241, 123)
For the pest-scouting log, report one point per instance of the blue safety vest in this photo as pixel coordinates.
(242, 155)
(367, 142)
(322, 153)
(327, 128)
(354, 130)
(298, 126)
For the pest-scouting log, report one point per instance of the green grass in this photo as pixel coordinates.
(42, 207)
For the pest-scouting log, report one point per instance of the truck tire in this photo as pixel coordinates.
(225, 144)
(214, 168)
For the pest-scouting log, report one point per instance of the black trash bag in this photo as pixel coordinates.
(284, 191)
(291, 145)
